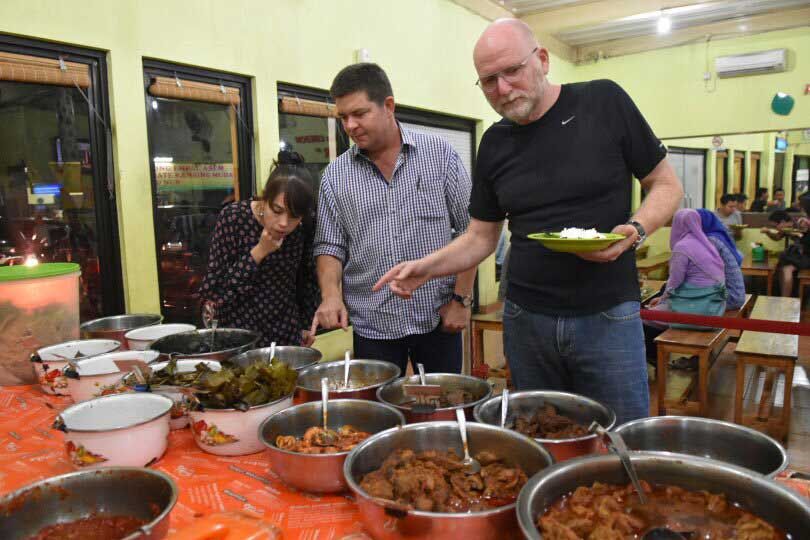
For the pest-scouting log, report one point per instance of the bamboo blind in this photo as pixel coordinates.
(308, 107)
(167, 87)
(36, 69)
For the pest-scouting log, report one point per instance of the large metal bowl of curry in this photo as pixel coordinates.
(475, 390)
(316, 472)
(365, 377)
(777, 505)
(580, 409)
(386, 520)
(113, 492)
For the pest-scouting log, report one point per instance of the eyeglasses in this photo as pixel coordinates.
(510, 75)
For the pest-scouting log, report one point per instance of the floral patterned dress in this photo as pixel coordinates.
(276, 298)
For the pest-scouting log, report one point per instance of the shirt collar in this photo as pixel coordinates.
(405, 134)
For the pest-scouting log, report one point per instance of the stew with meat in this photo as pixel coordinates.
(317, 440)
(435, 481)
(607, 512)
(546, 423)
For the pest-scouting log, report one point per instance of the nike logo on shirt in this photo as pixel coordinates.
(566, 121)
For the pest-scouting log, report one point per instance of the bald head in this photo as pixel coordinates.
(501, 36)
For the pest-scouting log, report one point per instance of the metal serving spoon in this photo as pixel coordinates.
(504, 406)
(471, 465)
(346, 370)
(618, 446)
(421, 369)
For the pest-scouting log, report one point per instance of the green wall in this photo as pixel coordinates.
(668, 87)
(425, 45)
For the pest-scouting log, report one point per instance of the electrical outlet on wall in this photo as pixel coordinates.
(707, 75)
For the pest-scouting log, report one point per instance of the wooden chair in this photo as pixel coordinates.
(773, 353)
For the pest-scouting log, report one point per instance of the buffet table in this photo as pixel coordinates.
(30, 450)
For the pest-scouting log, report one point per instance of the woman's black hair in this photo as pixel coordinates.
(292, 178)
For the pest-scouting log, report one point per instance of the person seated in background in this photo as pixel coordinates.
(778, 202)
(695, 266)
(732, 258)
(761, 200)
(797, 256)
(778, 221)
(727, 211)
(742, 201)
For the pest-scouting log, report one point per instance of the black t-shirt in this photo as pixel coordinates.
(571, 168)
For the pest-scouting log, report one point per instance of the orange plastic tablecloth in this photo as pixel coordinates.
(30, 451)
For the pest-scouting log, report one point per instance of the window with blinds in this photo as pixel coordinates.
(200, 146)
(461, 141)
(56, 176)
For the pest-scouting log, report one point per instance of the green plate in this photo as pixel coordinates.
(575, 245)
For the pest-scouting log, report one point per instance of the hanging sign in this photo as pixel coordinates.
(193, 176)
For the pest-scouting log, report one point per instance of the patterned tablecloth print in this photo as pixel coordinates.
(30, 450)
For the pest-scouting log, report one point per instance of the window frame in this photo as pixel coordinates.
(245, 150)
(106, 211)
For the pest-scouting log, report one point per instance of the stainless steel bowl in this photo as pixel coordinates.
(393, 395)
(114, 491)
(116, 326)
(704, 437)
(321, 473)
(758, 494)
(373, 373)
(390, 522)
(297, 358)
(578, 408)
(184, 344)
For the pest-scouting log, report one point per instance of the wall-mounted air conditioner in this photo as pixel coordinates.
(736, 65)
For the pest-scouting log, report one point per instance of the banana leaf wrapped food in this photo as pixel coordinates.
(232, 387)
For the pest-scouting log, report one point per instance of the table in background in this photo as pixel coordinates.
(30, 451)
(766, 269)
(650, 264)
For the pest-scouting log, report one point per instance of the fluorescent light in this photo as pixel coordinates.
(154, 104)
(159, 159)
(664, 24)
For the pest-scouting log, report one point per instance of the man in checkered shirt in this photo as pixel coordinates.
(395, 195)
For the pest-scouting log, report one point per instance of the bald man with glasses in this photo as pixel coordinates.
(562, 156)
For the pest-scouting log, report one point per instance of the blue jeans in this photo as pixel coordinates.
(439, 351)
(600, 356)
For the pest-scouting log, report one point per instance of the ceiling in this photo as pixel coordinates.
(586, 30)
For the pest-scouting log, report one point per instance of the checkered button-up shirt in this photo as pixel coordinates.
(370, 225)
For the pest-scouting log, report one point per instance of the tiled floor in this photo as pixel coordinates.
(722, 382)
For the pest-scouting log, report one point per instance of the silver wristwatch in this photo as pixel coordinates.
(642, 234)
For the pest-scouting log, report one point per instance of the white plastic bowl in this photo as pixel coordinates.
(140, 339)
(48, 362)
(231, 432)
(99, 376)
(120, 430)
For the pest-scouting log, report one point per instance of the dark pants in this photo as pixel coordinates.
(439, 351)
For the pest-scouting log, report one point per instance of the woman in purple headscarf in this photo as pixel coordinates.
(695, 262)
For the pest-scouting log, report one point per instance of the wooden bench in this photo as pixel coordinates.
(706, 345)
(773, 353)
(766, 269)
(650, 264)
